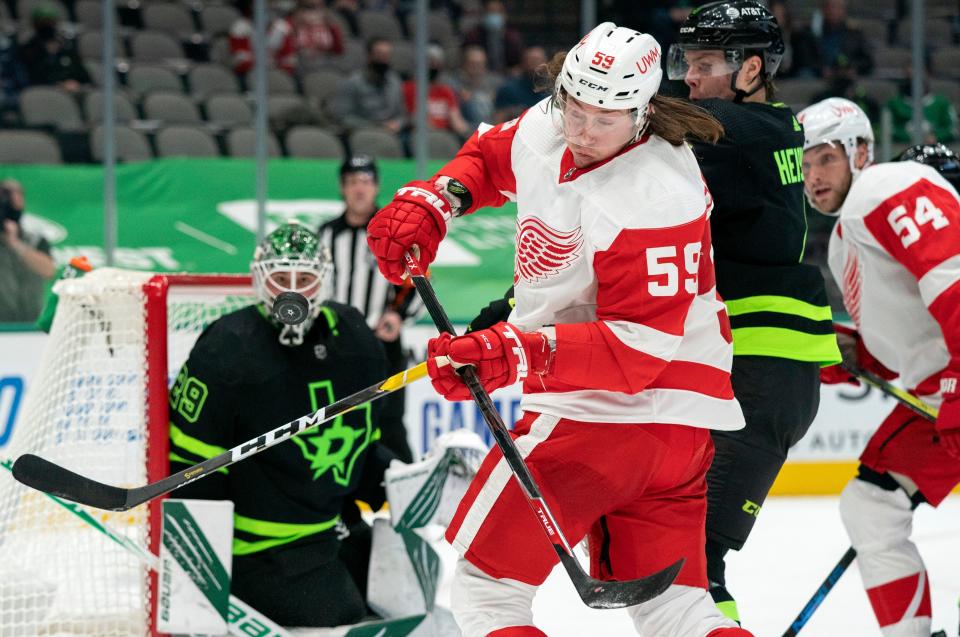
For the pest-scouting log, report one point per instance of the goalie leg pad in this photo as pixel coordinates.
(680, 611)
(879, 522)
(483, 605)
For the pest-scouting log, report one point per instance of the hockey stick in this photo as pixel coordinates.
(821, 593)
(909, 401)
(51, 478)
(238, 608)
(902, 396)
(594, 593)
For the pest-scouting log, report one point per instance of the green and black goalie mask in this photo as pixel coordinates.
(291, 259)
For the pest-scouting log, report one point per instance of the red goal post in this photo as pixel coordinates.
(98, 405)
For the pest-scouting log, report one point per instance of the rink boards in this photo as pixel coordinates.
(820, 464)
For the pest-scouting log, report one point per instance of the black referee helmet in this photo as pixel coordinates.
(359, 164)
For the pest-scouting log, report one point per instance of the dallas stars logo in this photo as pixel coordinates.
(336, 447)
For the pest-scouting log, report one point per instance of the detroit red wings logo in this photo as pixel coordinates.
(543, 251)
(852, 281)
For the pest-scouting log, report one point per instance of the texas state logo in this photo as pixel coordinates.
(543, 251)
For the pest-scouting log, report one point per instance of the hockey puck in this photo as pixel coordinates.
(290, 308)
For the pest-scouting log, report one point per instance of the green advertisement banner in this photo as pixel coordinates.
(199, 215)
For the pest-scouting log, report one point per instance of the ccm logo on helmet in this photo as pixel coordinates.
(648, 60)
(597, 87)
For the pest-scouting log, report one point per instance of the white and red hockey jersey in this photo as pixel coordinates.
(895, 253)
(617, 257)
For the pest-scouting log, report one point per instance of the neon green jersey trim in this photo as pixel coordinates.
(177, 458)
(730, 610)
(781, 304)
(280, 532)
(331, 317)
(783, 343)
(193, 445)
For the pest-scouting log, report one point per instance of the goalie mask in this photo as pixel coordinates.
(292, 278)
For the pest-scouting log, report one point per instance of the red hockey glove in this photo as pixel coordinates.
(417, 216)
(837, 375)
(948, 421)
(864, 359)
(501, 355)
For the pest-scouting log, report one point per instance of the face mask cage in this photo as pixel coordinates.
(312, 278)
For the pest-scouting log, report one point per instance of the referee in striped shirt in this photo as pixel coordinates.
(358, 282)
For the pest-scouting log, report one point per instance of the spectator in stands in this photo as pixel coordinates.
(476, 86)
(50, 57)
(25, 261)
(659, 18)
(443, 107)
(831, 45)
(303, 40)
(781, 11)
(13, 77)
(241, 32)
(939, 115)
(240, 37)
(521, 92)
(502, 43)
(844, 84)
(348, 10)
(373, 96)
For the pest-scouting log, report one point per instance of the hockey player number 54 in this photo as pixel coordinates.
(662, 261)
(908, 228)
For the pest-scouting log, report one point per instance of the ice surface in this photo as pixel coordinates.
(794, 544)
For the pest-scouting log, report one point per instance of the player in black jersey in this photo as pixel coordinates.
(294, 558)
(728, 54)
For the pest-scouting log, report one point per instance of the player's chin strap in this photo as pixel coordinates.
(642, 121)
(738, 93)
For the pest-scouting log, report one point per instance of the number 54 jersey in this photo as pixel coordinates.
(895, 252)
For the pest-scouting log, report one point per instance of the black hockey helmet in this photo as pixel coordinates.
(359, 164)
(739, 28)
(938, 156)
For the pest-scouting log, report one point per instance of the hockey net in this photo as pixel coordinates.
(98, 406)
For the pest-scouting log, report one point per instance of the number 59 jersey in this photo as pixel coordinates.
(616, 256)
(895, 252)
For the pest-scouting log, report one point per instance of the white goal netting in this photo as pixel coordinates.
(97, 405)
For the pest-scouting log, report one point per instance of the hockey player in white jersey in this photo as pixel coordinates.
(622, 345)
(895, 252)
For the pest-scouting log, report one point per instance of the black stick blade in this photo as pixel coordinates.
(43, 475)
(600, 594)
